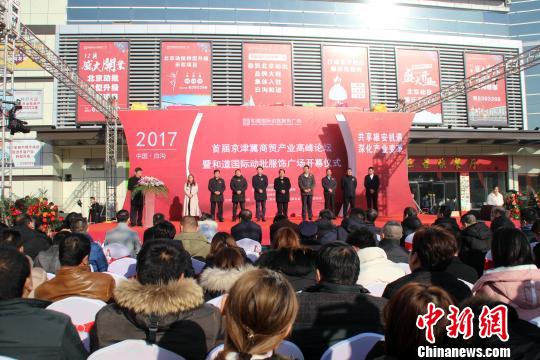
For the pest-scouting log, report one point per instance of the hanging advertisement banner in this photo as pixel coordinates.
(267, 70)
(417, 77)
(346, 76)
(104, 65)
(186, 73)
(486, 106)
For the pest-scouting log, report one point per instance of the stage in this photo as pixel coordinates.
(98, 230)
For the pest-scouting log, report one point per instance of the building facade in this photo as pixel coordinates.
(71, 157)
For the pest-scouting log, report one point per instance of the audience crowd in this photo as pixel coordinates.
(318, 283)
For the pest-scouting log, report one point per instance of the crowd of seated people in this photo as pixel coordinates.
(316, 284)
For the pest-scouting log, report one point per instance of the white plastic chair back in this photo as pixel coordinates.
(117, 278)
(467, 283)
(198, 265)
(286, 349)
(408, 241)
(249, 245)
(376, 288)
(535, 321)
(82, 312)
(218, 301)
(115, 251)
(405, 267)
(356, 347)
(134, 350)
(252, 256)
(126, 267)
(50, 276)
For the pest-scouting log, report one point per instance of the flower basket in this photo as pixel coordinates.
(45, 212)
(150, 185)
(514, 201)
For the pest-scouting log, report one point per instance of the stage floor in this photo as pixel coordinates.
(98, 230)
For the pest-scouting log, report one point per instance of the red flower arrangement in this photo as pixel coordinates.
(514, 201)
(44, 211)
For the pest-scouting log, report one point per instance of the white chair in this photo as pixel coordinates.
(50, 276)
(82, 312)
(117, 278)
(198, 265)
(218, 301)
(134, 350)
(250, 245)
(252, 256)
(376, 288)
(405, 267)
(535, 321)
(115, 251)
(356, 347)
(286, 349)
(467, 283)
(126, 267)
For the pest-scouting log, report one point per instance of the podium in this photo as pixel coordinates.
(149, 209)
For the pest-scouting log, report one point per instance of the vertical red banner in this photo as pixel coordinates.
(267, 72)
(487, 105)
(186, 73)
(346, 76)
(104, 65)
(418, 76)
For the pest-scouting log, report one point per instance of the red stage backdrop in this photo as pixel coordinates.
(346, 76)
(186, 73)
(267, 74)
(104, 65)
(418, 76)
(487, 105)
(170, 144)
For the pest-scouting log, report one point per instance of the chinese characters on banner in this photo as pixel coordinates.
(487, 105)
(267, 72)
(104, 65)
(186, 73)
(345, 76)
(32, 104)
(25, 153)
(418, 76)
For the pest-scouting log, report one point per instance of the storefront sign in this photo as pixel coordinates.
(457, 163)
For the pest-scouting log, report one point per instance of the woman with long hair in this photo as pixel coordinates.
(259, 311)
(191, 199)
(291, 259)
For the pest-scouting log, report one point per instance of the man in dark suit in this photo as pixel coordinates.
(282, 185)
(260, 183)
(306, 183)
(348, 186)
(371, 183)
(329, 185)
(216, 186)
(246, 228)
(95, 214)
(137, 199)
(238, 186)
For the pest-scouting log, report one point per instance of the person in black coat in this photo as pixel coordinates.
(238, 186)
(348, 186)
(246, 228)
(391, 234)
(329, 185)
(444, 218)
(29, 331)
(260, 183)
(137, 199)
(475, 242)
(282, 186)
(371, 183)
(306, 184)
(95, 214)
(281, 221)
(336, 308)
(216, 186)
(33, 241)
(433, 250)
(291, 259)
(499, 219)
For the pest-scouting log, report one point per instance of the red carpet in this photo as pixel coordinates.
(98, 230)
